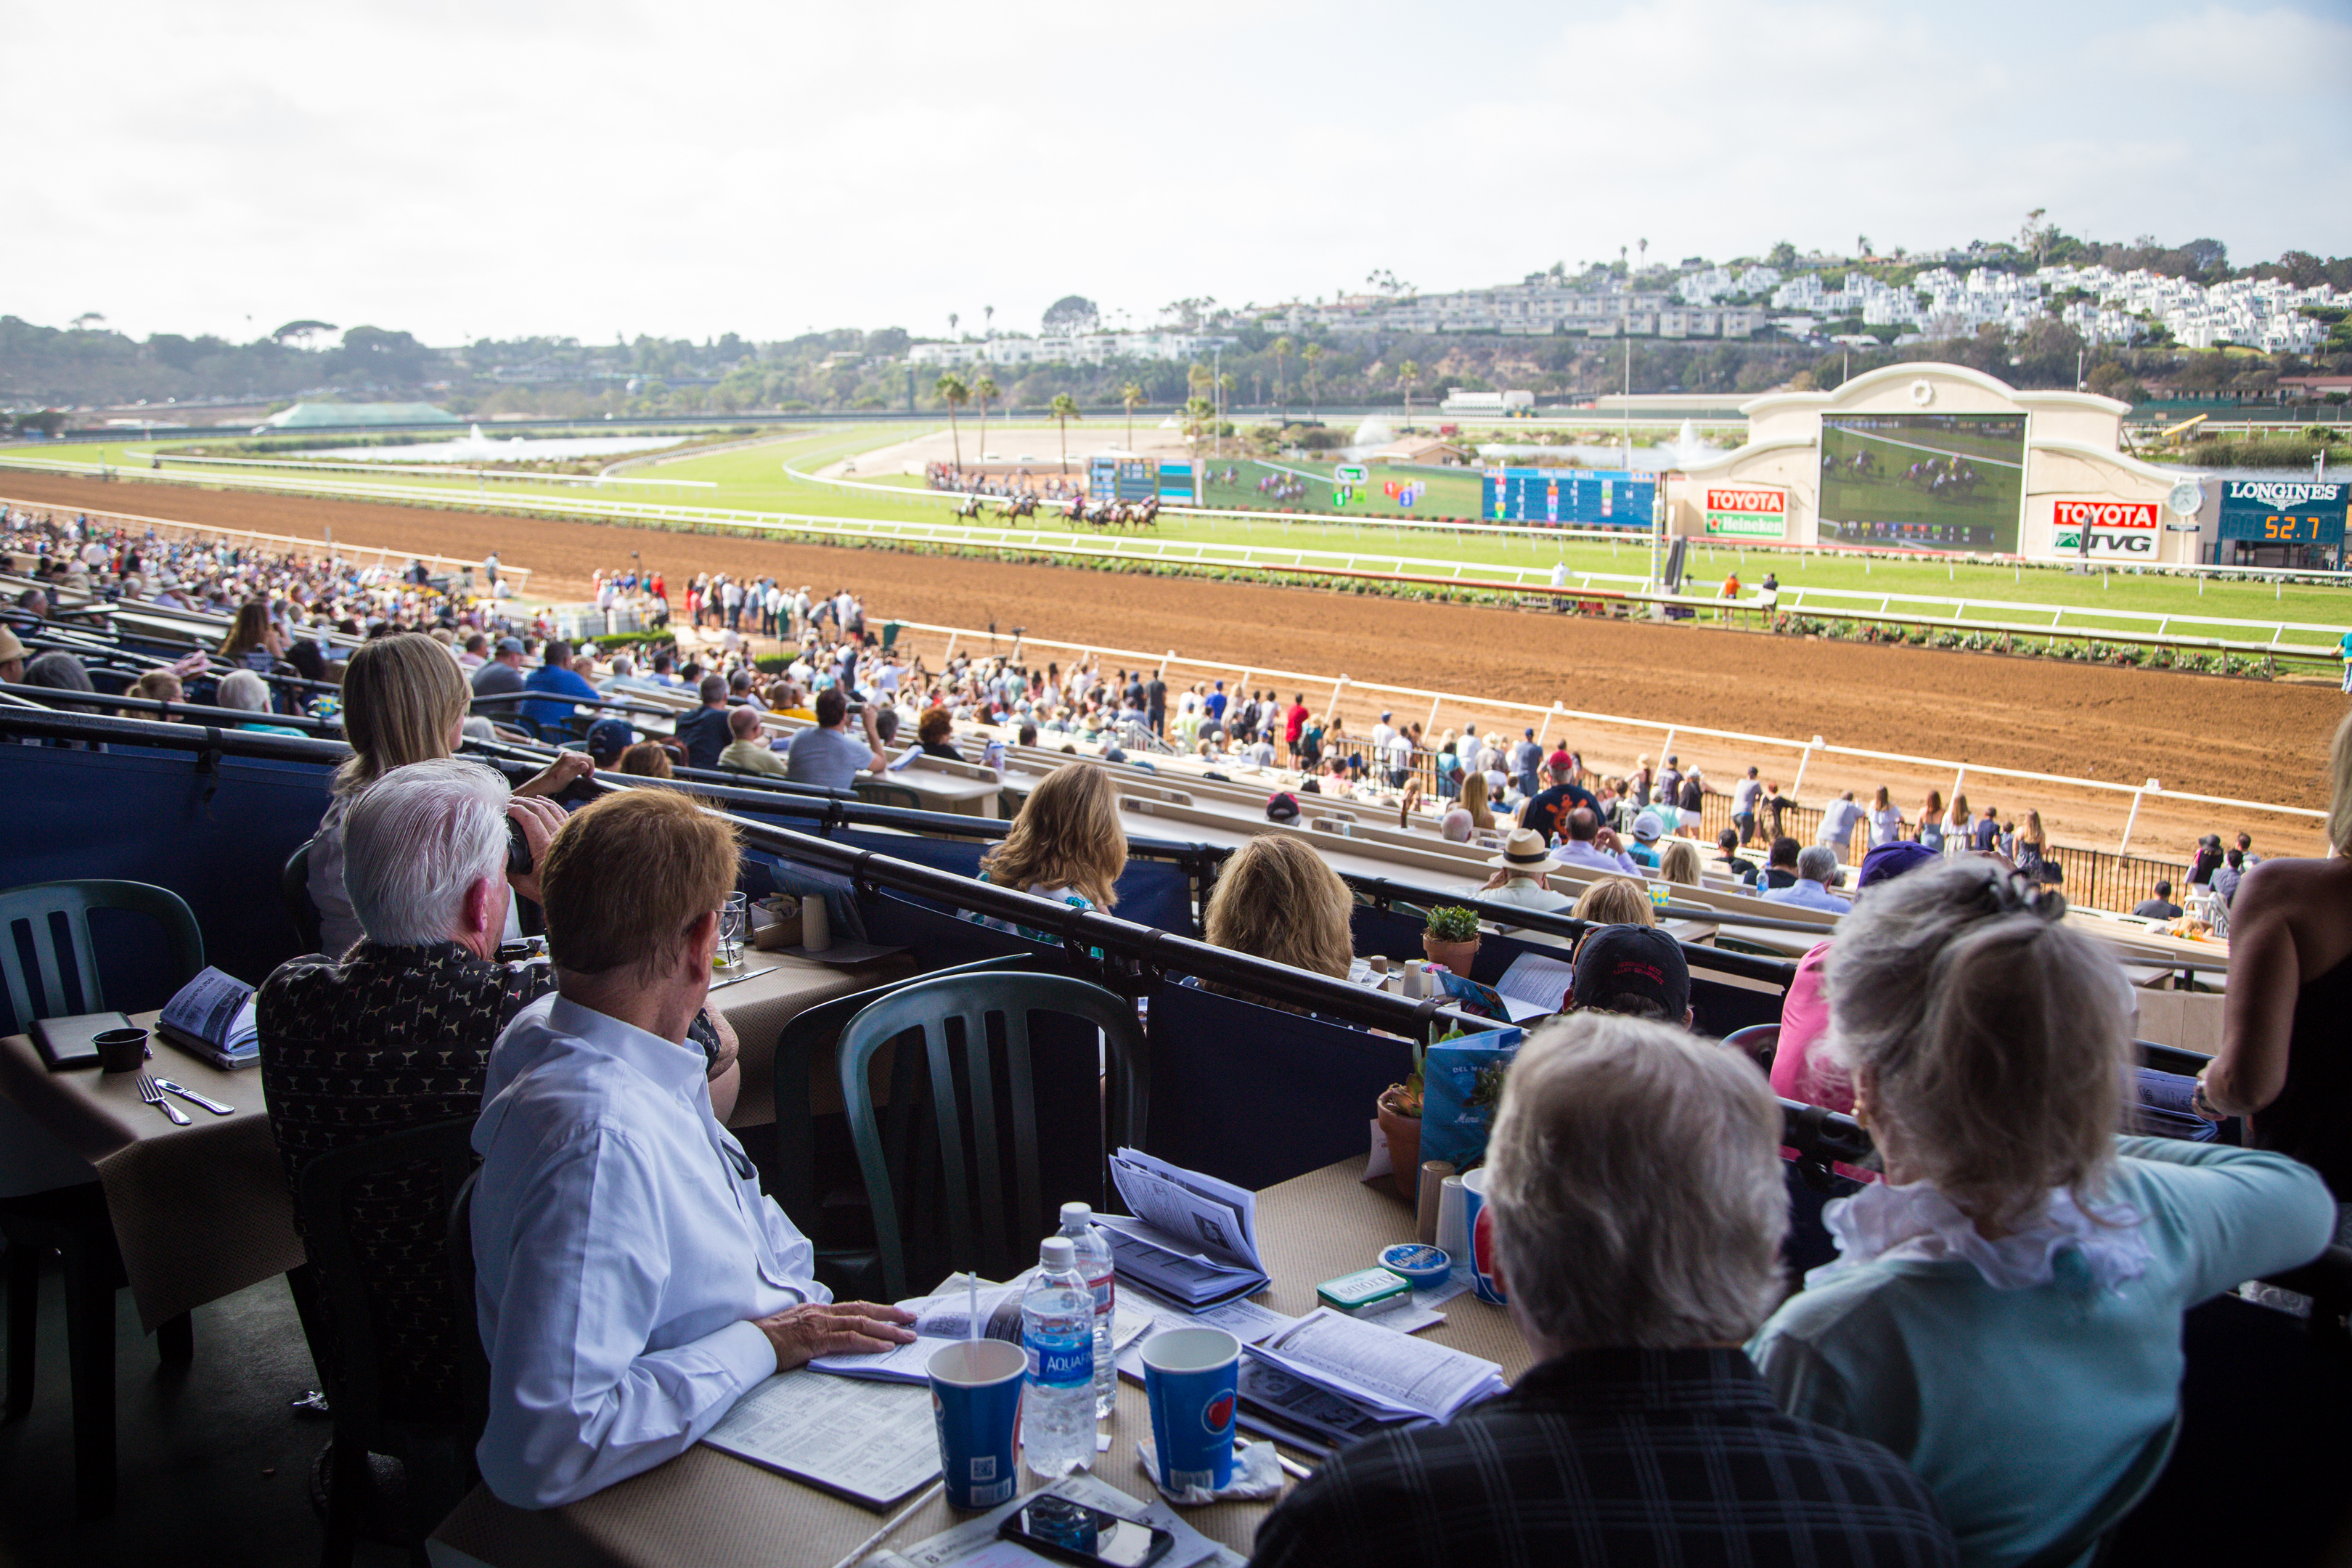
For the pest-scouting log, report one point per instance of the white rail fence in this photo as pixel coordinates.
(1557, 716)
(204, 532)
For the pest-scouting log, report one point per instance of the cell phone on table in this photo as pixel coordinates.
(1073, 1532)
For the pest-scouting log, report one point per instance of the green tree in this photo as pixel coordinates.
(1064, 408)
(985, 391)
(1313, 355)
(1130, 397)
(1409, 377)
(1282, 348)
(955, 394)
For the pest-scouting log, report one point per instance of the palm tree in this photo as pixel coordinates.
(952, 320)
(1282, 350)
(1064, 408)
(955, 394)
(988, 317)
(1131, 395)
(1408, 375)
(1313, 355)
(1200, 414)
(983, 392)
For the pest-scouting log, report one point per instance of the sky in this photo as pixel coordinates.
(471, 168)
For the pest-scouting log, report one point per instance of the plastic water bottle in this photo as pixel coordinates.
(1057, 1331)
(1093, 1252)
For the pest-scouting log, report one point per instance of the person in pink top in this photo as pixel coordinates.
(1802, 1070)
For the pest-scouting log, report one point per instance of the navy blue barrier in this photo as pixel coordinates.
(218, 837)
(1722, 1005)
(1256, 1095)
(1155, 893)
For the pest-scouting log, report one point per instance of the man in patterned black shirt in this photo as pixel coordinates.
(1633, 1217)
(397, 1033)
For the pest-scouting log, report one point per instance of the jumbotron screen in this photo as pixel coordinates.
(1922, 481)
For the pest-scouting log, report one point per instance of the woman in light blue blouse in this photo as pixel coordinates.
(2005, 1312)
(1066, 845)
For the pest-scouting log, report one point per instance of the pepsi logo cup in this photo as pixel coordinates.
(976, 1400)
(1478, 1222)
(1190, 1377)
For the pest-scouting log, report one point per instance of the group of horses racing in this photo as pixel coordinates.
(1101, 515)
(1938, 475)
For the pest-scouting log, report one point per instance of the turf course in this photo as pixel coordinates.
(754, 478)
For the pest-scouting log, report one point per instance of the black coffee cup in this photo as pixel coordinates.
(120, 1050)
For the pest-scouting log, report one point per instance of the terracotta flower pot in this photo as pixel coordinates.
(1403, 1133)
(1455, 955)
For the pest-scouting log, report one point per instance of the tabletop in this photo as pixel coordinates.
(778, 986)
(199, 1210)
(707, 1507)
(943, 791)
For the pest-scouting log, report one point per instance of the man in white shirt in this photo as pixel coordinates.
(1383, 732)
(1593, 847)
(1519, 876)
(633, 1280)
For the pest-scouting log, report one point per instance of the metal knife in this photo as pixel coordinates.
(215, 1106)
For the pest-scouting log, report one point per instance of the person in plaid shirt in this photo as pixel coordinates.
(1637, 1214)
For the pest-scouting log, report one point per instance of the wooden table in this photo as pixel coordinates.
(200, 1211)
(706, 1507)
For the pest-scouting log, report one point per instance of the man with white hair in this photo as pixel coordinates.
(1817, 867)
(1633, 1217)
(398, 1030)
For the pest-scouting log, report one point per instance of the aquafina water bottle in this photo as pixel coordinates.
(1093, 1252)
(1057, 1331)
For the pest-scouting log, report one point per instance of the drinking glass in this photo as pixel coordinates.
(734, 921)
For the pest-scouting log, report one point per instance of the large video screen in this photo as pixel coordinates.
(1922, 481)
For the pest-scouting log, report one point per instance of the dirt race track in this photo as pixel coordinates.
(2247, 738)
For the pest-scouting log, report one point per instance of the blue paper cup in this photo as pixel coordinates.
(976, 1400)
(1190, 1376)
(1478, 1223)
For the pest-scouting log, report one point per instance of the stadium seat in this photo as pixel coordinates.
(971, 1195)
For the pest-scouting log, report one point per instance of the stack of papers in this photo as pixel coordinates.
(1535, 986)
(1387, 1373)
(212, 1017)
(1194, 1238)
(870, 1444)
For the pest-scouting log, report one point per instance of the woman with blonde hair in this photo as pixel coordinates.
(1474, 801)
(1678, 863)
(1931, 820)
(2031, 852)
(1067, 845)
(1615, 901)
(1957, 825)
(403, 701)
(1885, 819)
(2005, 1313)
(1276, 900)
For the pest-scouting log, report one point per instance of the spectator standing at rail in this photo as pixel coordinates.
(1931, 821)
(1986, 837)
(1744, 795)
(1543, 812)
(1885, 819)
(1155, 705)
(1525, 758)
(1294, 726)
(1838, 824)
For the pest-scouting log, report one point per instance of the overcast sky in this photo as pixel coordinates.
(588, 167)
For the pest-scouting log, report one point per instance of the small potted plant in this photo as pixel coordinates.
(1399, 1110)
(1452, 937)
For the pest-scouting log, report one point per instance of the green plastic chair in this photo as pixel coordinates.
(986, 1230)
(37, 903)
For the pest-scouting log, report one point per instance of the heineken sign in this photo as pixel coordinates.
(1749, 512)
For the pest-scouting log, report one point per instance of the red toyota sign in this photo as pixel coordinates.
(2117, 530)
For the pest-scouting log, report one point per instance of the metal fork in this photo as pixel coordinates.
(154, 1096)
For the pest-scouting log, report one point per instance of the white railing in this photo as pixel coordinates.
(433, 470)
(1544, 717)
